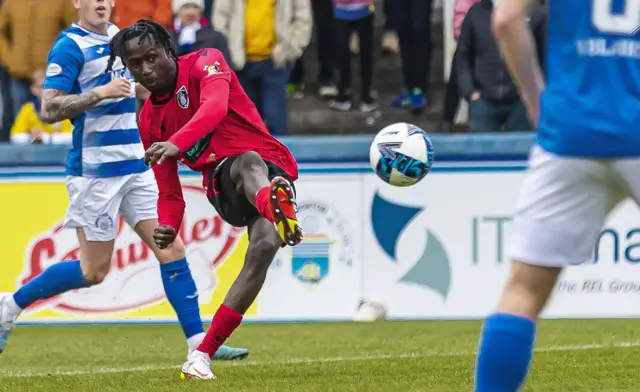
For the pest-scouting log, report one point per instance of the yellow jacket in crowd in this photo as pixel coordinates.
(261, 29)
(28, 28)
(29, 128)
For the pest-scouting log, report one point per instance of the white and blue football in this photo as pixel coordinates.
(401, 154)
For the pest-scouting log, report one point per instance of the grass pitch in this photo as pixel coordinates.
(573, 355)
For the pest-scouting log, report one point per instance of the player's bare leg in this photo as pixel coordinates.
(275, 201)
(527, 289)
(524, 296)
(91, 269)
(264, 243)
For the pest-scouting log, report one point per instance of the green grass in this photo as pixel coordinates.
(575, 355)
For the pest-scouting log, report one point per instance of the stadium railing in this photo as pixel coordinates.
(325, 149)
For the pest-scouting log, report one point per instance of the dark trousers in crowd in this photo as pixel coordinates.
(15, 93)
(266, 87)
(7, 107)
(323, 20)
(413, 25)
(389, 20)
(452, 95)
(492, 116)
(343, 30)
(208, 9)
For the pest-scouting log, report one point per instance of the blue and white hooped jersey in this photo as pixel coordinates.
(591, 105)
(106, 141)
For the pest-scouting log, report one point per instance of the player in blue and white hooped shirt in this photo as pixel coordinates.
(585, 162)
(106, 175)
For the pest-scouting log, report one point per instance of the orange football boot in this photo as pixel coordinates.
(282, 204)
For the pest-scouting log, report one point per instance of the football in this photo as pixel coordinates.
(401, 154)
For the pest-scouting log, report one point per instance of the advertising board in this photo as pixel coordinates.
(315, 280)
(434, 250)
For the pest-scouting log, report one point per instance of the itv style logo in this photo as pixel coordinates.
(432, 270)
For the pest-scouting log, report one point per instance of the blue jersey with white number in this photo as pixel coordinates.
(591, 104)
(106, 142)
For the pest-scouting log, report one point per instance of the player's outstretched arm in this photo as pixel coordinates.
(57, 105)
(519, 50)
(214, 76)
(171, 202)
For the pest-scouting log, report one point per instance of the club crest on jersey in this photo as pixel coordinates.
(213, 69)
(183, 97)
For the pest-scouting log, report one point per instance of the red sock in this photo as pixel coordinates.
(262, 203)
(225, 321)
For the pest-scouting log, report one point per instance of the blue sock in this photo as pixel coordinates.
(182, 294)
(57, 279)
(506, 348)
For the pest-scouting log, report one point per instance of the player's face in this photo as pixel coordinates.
(150, 64)
(94, 13)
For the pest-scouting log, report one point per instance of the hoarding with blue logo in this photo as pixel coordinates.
(434, 250)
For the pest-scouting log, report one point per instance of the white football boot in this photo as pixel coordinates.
(197, 367)
(9, 311)
(224, 353)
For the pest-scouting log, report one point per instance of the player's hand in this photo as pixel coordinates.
(474, 96)
(118, 88)
(160, 151)
(164, 236)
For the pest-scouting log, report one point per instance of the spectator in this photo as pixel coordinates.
(5, 118)
(208, 7)
(127, 12)
(414, 33)
(483, 77)
(538, 23)
(389, 36)
(263, 52)
(29, 128)
(452, 93)
(192, 32)
(323, 21)
(27, 31)
(389, 39)
(358, 16)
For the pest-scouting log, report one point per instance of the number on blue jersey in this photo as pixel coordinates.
(626, 22)
(590, 104)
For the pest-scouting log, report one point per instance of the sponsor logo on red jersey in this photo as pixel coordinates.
(214, 69)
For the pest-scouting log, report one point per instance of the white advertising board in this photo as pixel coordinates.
(434, 250)
(437, 251)
(320, 278)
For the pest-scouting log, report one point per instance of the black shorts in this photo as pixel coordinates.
(233, 207)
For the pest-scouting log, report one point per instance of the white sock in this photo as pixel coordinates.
(194, 341)
(13, 309)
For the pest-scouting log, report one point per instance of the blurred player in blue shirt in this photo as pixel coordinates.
(585, 162)
(106, 175)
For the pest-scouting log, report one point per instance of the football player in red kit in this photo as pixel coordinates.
(199, 114)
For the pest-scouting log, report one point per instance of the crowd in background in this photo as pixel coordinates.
(479, 74)
(265, 43)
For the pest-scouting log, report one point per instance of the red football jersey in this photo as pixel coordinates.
(209, 117)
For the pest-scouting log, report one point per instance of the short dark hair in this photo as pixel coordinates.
(142, 30)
